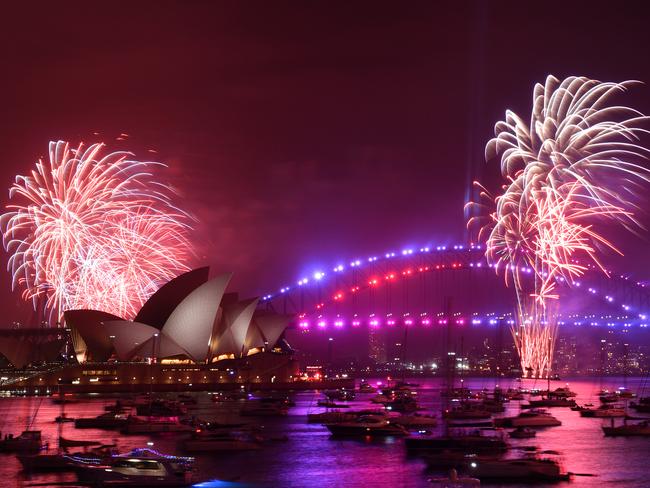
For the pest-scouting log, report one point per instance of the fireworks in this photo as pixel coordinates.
(574, 166)
(88, 230)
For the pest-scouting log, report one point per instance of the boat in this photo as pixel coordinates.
(224, 440)
(366, 388)
(66, 443)
(551, 401)
(160, 408)
(150, 425)
(330, 417)
(453, 481)
(61, 461)
(563, 392)
(523, 470)
(642, 406)
(139, 468)
(108, 420)
(606, 410)
(331, 404)
(379, 398)
(627, 430)
(473, 442)
(366, 426)
(415, 421)
(522, 433)
(402, 403)
(28, 440)
(341, 394)
(531, 418)
(466, 412)
(264, 409)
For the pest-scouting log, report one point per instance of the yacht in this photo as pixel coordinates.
(473, 441)
(366, 388)
(627, 430)
(330, 417)
(551, 401)
(149, 425)
(466, 412)
(366, 426)
(524, 470)
(606, 410)
(531, 418)
(139, 468)
(108, 420)
(342, 394)
(415, 421)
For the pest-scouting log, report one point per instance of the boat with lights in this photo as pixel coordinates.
(530, 418)
(138, 468)
(641, 429)
(366, 426)
(523, 470)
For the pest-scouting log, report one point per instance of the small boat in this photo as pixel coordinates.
(139, 468)
(466, 412)
(108, 420)
(213, 441)
(366, 426)
(522, 433)
(330, 417)
(523, 470)
(264, 409)
(531, 418)
(160, 408)
(331, 404)
(415, 421)
(151, 425)
(551, 401)
(379, 398)
(402, 403)
(627, 430)
(342, 394)
(366, 388)
(606, 410)
(474, 442)
(29, 440)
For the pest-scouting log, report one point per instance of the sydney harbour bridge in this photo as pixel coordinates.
(441, 286)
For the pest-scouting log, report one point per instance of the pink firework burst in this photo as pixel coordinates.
(93, 230)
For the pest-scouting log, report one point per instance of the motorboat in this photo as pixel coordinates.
(473, 441)
(330, 404)
(330, 417)
(224, 440)
(627, 430)
(366, 388)
(108, 420)
(606, 410)
(264, 409)
(415, 421)
(366, 426)
(466, 411)
(139, 468)
(67, 443)
(522, 433)
(402, 403)
(551, 401)
(151, 425)
(564, 392)
(530, 418)
(379, 398)
(28, 440)
(341, 394)
(523, 470)
(160, 408)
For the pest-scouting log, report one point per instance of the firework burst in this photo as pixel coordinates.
(576, 164)
(92, 230)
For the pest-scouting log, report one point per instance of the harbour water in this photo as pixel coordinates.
(305, 455)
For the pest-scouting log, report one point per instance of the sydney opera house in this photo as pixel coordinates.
(190, 334)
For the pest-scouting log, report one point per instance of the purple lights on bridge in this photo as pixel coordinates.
(404, 288)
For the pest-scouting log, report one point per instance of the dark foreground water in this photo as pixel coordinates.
(310, 457)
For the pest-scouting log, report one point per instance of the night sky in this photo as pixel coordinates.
(302, 133)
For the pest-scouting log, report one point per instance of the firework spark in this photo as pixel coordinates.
(88, 230)
(573, 166)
